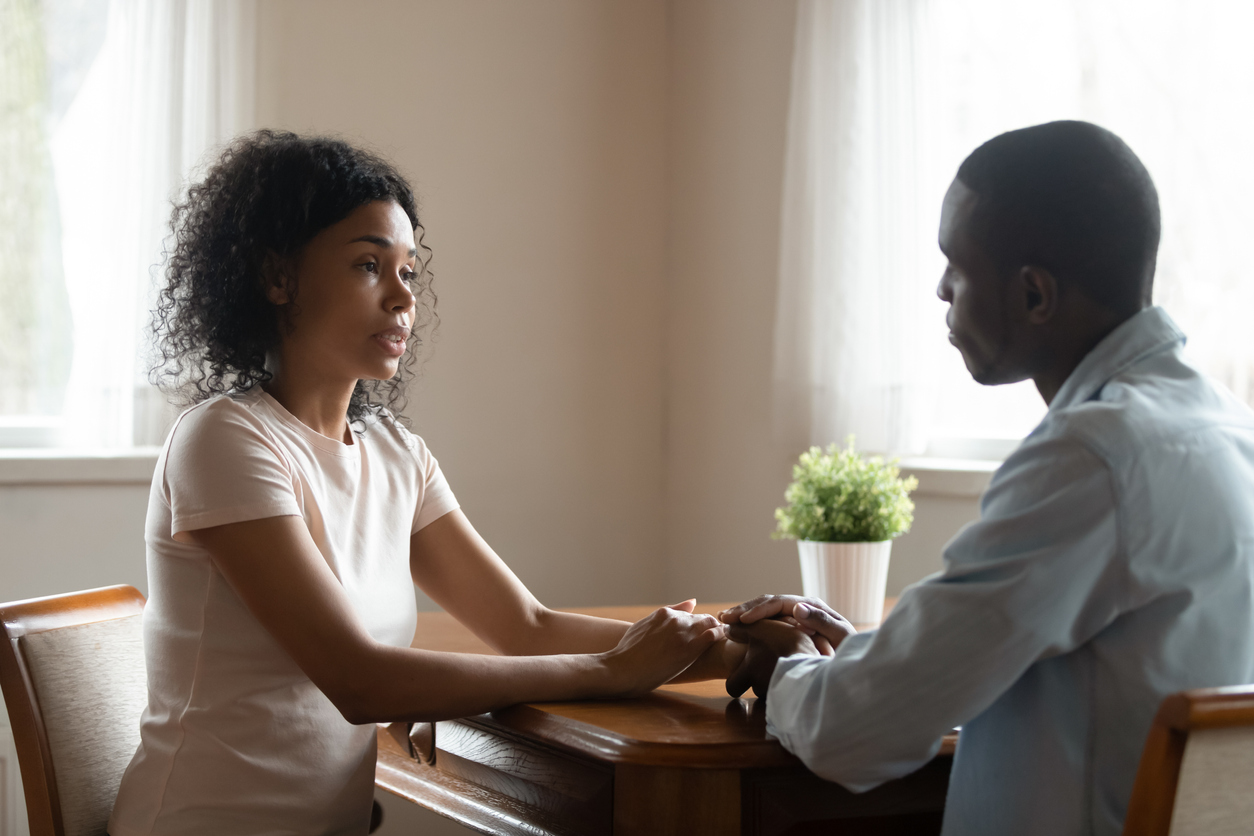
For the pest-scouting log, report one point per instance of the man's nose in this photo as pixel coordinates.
(942, 287)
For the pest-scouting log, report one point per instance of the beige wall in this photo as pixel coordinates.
(535, 136)
(60, 537)
(728, 103)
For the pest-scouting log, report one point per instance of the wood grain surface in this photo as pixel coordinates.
(690, 725)
(687, 759)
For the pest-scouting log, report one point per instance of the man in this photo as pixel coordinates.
(1113, 561)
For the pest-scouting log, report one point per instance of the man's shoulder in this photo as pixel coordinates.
(1157, 404)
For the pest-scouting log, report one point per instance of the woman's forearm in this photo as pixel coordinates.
(421, 685)
(567, 632)
(562, 632)
(399, 684)
(386, 683)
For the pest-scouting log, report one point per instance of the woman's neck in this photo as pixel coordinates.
(320, 406)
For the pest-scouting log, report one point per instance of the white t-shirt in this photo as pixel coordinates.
(235, 738)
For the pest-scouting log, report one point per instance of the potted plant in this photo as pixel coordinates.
(844, 510)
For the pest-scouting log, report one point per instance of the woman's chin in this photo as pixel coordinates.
(385, 372)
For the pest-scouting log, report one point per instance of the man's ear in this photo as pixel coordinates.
(276, 277)
(1040, 294)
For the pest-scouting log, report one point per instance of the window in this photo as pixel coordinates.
(1174, 80)
(889, 96)
(105, 106)
(40, 76)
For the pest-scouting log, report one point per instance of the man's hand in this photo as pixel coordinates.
(718, 661)
(768, 641)
(826, 627)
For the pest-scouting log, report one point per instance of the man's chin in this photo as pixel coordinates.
(988, 372)
(983, 373)
(992, 376)
(979, 372)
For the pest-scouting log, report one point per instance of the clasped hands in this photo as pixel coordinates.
(775, 626)
(760, 633)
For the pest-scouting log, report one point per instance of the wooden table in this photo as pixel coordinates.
(686, 759)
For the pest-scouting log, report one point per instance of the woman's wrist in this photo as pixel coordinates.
(604, 678)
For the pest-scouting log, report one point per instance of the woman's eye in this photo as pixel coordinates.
(410, 277)
(370, 267)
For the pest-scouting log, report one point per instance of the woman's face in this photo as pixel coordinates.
(353, 306)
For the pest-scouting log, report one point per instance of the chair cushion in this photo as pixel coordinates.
(92, 690)
(1213, 796)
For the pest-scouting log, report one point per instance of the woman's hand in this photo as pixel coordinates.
(658, 647)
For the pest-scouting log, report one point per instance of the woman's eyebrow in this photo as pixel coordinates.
(380, 241)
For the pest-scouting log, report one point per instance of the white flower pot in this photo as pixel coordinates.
(850, 577)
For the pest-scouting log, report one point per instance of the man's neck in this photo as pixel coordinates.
(1072, 344)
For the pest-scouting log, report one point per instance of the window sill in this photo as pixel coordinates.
(950, 477)
(78, 467)
(937, 476)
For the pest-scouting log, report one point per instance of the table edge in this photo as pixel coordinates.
(587, 740)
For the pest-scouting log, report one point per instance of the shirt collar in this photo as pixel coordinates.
(1146, 332)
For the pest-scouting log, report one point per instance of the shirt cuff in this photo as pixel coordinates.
(787, 694)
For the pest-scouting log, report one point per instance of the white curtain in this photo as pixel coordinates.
(174, 79)
(853, 279)
(889, 96)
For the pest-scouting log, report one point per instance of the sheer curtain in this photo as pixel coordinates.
(173, 79)
(889, 97)
(853, 286)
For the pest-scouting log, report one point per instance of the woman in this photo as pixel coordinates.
(291, 511)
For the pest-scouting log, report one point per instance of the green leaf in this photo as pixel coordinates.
(842, 497)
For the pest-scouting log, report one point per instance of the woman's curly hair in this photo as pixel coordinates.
(263, 200)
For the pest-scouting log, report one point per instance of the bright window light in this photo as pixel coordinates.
(40, 76)
(1175, 80)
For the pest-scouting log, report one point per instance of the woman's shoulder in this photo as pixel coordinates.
(389, 429)
(435, 498)
(222, 421)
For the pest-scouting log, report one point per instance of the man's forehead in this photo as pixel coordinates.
(955, 210)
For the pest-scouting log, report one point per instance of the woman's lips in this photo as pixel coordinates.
(392, 345)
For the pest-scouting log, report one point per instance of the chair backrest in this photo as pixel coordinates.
(72, 670)
(1197, 769)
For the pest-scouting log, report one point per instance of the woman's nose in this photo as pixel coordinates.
(402, 298)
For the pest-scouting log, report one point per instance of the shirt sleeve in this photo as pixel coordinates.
(1034, 577)
(435, 498)
(222, 467)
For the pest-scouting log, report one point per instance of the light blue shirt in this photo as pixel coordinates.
(1112, 564)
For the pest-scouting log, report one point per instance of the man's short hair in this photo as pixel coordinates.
(1072, 198)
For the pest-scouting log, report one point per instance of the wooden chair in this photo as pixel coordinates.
(1197, 769)
(72, 671)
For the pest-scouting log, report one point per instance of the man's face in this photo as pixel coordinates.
(977, 295)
